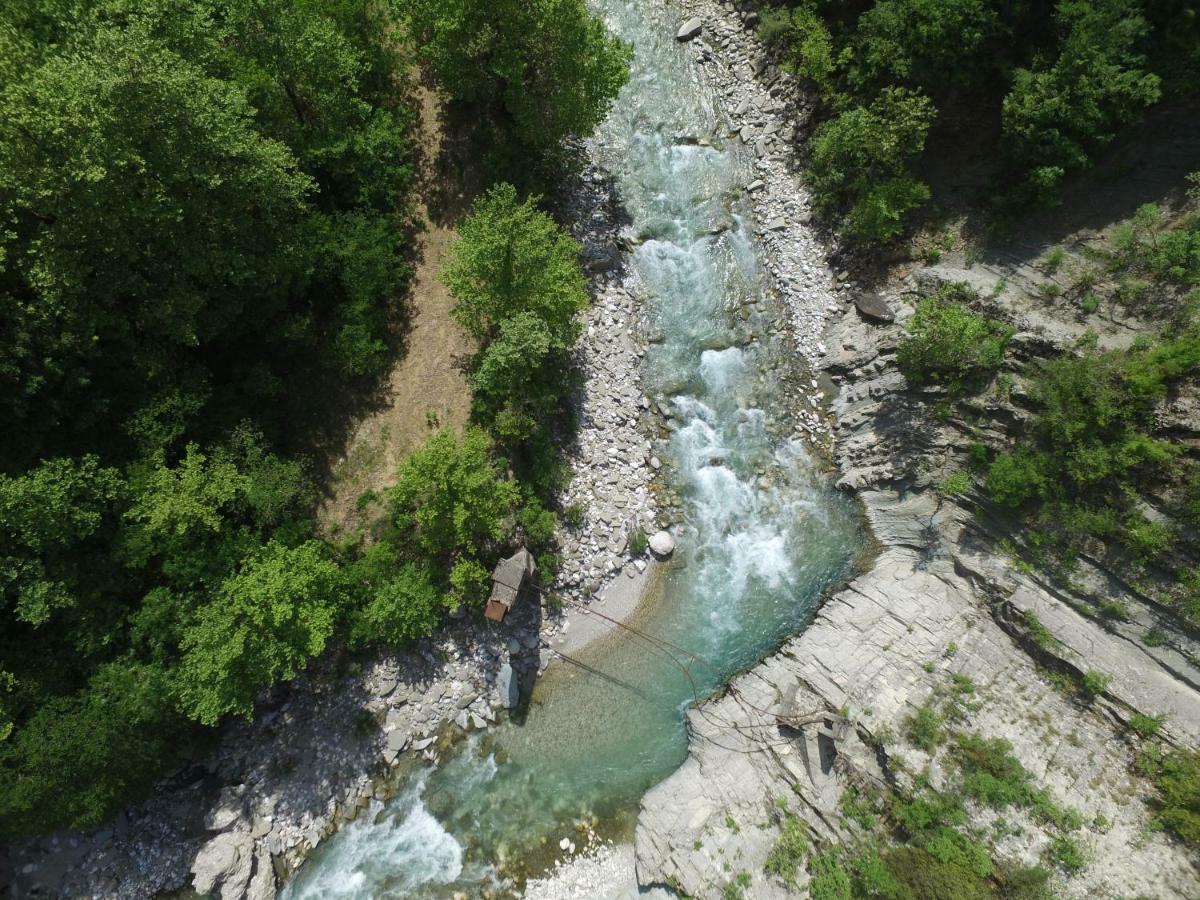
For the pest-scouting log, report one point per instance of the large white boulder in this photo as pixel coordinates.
(662, 544)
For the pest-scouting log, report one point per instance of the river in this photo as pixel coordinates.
(764, 535)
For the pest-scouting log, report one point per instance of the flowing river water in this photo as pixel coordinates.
(764, 534)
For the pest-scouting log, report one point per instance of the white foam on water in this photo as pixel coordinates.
(388, 857)
(721, 369)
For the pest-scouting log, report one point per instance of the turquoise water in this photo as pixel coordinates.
(764, 535)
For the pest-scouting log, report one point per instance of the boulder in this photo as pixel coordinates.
(222, 867)
(689, 30)
(662, 544)
(509, 687)
(873, 307)
(228, 810)
(262, 885)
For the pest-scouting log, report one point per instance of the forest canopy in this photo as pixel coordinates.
(204, 219)
(1056, 82)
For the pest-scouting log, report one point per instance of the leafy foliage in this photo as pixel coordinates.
(1091, 444)
(519, 290)
(263, 625)
(454, 503)
(202, 216)
(859, 162)
(1176, 776)
(1054, 118)
(539, 69)
(1053, 82)
(947, 343)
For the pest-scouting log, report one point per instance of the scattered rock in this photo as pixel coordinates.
(228, 810)
(873, 307)
(689, 30)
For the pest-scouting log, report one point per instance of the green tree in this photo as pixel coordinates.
(125, 177)
(263, 625)
(926, 44)
(541, 69)
(511, 258)
(48, 517)
(81, 756)
(1055, 118)
(394, 601)
(452, 499)
(860, 158)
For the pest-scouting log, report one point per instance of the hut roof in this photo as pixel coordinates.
(507, 580)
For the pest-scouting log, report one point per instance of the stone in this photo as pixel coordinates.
(662, 544)
(262, 883)
(873, 307)
(509, 688)
(689, 30)
(228, 810)
(397, 740)
(222, 867)
(261, 826)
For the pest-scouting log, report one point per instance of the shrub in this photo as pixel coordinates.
(787, 857)
(924, 729)
(1055, 118)
(928, 878)
(1176, 777)
(991, 773)
(1019, 882)
(804, 42)
(956, 484)
(1016, 478)
(947, 343)
(574, 515)
(638, 542)
(1066, 853)
(1094, 684)
(830, 881)
(1146, 726)
(859, 163)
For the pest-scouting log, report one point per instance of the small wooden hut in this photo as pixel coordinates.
(507, 580)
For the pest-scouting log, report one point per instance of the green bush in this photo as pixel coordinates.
(1094, 684)
(990, 773)
(948, 344)
(924, 729)
(1066, 852)
(788, 856)
(860, 158)
(1176, 777)
(830, 880)
(1055, 118)
(1146, 726)
(928, 878)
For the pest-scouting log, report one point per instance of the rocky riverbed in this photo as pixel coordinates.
(940, 601)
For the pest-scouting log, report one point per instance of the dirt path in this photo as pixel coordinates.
(426, 388)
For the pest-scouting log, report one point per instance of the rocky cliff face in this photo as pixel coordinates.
(939, 601)
(941, 605)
